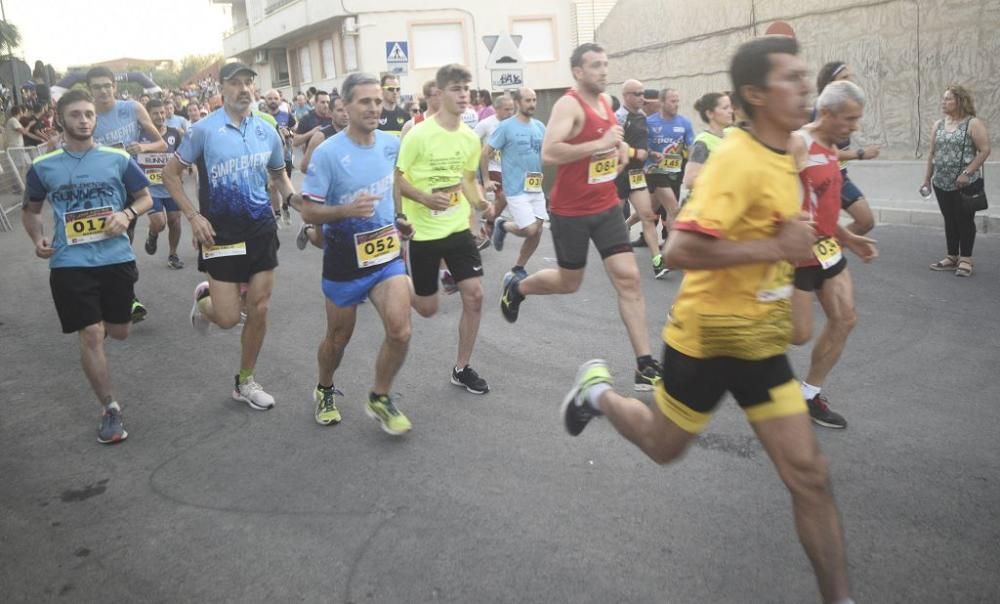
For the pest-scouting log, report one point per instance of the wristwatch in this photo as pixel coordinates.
(861, 153)
(400, 216)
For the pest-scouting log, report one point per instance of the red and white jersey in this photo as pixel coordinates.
(821, 186)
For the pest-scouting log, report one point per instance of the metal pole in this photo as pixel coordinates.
(10, 59)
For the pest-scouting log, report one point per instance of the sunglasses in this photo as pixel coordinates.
(392, 88)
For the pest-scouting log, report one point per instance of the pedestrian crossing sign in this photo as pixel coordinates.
(397, 56)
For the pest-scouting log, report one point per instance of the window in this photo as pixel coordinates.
(279, 67)
(538, 39)
(350, 53)
(305, 65)
(326, 52)
(437, 44)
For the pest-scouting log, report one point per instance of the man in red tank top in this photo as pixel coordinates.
(840, 108)
(584, 140)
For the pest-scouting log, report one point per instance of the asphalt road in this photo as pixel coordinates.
(487, 500)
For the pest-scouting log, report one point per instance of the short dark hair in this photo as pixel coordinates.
(576, 59)
(386, 76)
(707, 103)
(319, 92)
(353, 81)
(485, 97)
(74, 95)
(154, 104)
(429, 86)
(752, 64)
(15, 110)
(99, 72)
(453, 72)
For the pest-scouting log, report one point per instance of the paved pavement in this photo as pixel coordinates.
(487, 500)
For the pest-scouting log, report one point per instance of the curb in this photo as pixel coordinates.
(985, 222)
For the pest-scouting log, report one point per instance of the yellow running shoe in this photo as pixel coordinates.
(326, 406)
(381, 409)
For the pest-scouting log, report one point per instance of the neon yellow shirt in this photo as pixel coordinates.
(434, 159)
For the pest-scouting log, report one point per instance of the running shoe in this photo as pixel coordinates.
(112, 428)
(326, 406)
(482, 242)
(576, 410)
(822, 415)
(381, 409)
(648, 377)
(139, 311)
(151, 243)
(510, 301)
(286, 217)
(468, 378)
(520, 272)
(174, 262)
(499, 233)
(448, 282)
(198, 319)
(302, 239)
(660, 269)
(252, 393)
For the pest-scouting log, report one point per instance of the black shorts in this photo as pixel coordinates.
(459, 253)
(662, 181)
(691, 388)
(811, 278)
(622, 183)
(88, 295)
(261, 255)
(288, 167)
(572, 236)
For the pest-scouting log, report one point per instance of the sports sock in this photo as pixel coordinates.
(593, 395)
(245, 375)
(809, 391)
(113, 405)
(322, 387)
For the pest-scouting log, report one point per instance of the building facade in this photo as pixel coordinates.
(903, 53)
(296, 44)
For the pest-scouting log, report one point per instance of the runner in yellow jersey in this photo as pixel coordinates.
(731, 323)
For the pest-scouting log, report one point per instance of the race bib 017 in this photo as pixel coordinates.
(87, 226)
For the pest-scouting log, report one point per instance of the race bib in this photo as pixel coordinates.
(603, 167)
(670, 164)
(377, 247)
(636, 180)
(454, 198)
(828, 252)
(221, 251)
(533, 182)
(87, 226)
(152, 166)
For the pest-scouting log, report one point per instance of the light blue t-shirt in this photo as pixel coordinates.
(672, 138)
(339, 170)
(520, 147)
(233, 164)
(84, 190)
(177, 122)
(119, 126)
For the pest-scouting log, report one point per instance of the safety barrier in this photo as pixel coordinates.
(14, 164)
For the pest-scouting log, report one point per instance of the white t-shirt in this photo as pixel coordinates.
(484, 130)
(470, 117)
(12, 136)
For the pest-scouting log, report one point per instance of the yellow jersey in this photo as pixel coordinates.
(741, 311)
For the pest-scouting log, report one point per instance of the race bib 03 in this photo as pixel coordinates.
(828, 252)
(533, 182)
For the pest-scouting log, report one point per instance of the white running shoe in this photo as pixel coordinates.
(252, 393)
(198, 319)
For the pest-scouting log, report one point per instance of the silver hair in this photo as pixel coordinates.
(353, 81)
(836, 94)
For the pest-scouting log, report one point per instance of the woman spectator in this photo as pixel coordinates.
(852, 200)
(959, 147)
(486, 100)
(716, 110)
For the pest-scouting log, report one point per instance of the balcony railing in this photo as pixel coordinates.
(274, 5)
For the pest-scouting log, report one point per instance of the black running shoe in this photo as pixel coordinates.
(470, 380)
(576, 411)
(151, 244)
(510, 300)
(139, 311)
(648, 377)
(819, 411)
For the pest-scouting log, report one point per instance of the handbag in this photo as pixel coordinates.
(973, 202)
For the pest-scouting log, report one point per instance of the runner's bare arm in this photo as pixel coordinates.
(434, 201)
(301, 139)
(278, 181)
(314, 142)
(470, 188)
(156, 144)
(797, 149)
(484, 167)
(31, 219)
(566, 115)
(317, 212)
(693, 250)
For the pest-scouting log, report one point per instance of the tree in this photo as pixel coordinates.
(10, 37)
(192, 64)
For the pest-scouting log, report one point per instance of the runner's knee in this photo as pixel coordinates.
(806, 474)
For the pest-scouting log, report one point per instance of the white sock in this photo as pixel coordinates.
(593, 395)
(809, 391)
(113, 405)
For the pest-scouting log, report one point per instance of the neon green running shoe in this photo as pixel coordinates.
(576, 410)
(381, 409)
(326, 406)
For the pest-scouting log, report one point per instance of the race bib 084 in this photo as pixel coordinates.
(603, 167)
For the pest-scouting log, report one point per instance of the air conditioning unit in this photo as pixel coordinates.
(350, 26)
(260, 57)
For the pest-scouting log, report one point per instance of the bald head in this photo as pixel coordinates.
(273, 100)
(632, 95)
(526, 101)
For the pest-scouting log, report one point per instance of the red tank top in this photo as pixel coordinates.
(418, 118)
(821, 185)
(587, 186)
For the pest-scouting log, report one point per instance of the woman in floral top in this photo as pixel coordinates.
(959, 147)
